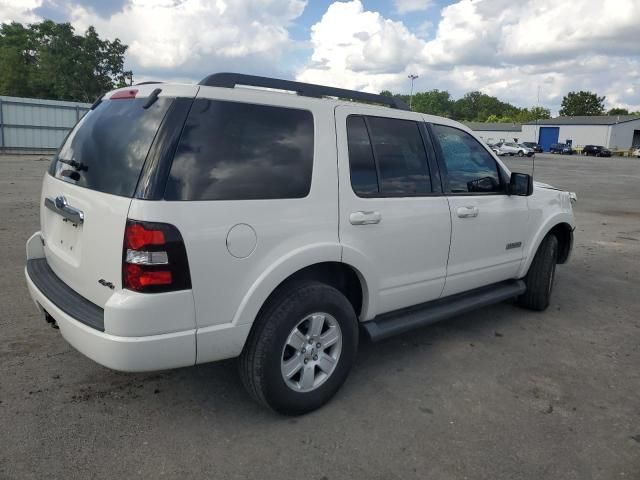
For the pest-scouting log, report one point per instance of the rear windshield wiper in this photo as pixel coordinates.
(151, 99)
(79, 166)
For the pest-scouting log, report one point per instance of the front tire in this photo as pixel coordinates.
(521, 153)
(539, 278)
(301, 349)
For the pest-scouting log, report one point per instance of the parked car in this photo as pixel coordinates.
(183, 224)
(596, 150)
(561, 148)
(533, 146)
(636, 152)
(511, 148)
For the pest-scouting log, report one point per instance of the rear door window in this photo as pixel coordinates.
(387, 157)
(107, 148)
(364, 179)
(242, 151)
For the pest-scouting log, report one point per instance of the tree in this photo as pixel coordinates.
(473, 106)
(530, 115)
(48, 60)
(618, 111)
(434, 102)
(477, 106)
(582, 103)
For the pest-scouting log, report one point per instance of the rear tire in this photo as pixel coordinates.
(285, 320)
(521, 153)
(539, 278)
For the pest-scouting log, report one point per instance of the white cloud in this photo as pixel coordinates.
(500, 47)
(359, 49)
(406, 6)
(18, 10)
(168, 34)
(186, 38)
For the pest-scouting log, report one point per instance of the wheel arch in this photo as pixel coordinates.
(564, 233)
(322, 263)
(562, 228)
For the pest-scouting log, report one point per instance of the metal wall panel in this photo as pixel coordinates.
(32, 124)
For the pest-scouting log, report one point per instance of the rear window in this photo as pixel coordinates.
(107, 148)
(242, 151)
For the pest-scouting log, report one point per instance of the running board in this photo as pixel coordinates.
(401, 321)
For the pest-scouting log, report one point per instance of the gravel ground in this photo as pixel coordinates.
(500, 393)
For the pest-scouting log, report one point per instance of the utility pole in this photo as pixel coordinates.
(412, 77)
(537, 114)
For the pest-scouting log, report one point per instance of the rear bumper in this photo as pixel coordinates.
(124, 353)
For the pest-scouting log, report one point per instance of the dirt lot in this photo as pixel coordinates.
(501, 393)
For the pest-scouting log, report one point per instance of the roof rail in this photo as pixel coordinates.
(230, 80)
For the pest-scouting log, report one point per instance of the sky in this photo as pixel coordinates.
(511, 49)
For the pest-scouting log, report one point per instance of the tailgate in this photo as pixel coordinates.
(84, 254)
(87, 192)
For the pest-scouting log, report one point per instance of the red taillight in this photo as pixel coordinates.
(127, 94)
(137, 278)
(137, 236)
(154, 258)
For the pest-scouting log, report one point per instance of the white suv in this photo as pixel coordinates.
(511, 148)
(183, 224)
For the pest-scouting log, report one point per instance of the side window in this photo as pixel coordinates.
(401, 157)
(387, 157)
(470, 168)
(242, 151)
(364, 179)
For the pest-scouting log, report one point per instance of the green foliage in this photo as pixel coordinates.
(477, 106)
(618, 111)
(48, 60)
(473, 106)
(582, 103)
(434, 102)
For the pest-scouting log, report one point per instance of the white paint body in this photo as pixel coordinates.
(419, 251)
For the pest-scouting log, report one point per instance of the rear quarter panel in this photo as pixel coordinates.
(291, 233)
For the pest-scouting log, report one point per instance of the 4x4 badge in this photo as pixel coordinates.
(103, 282)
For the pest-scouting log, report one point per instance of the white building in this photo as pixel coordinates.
(617, 132)
(498, 132)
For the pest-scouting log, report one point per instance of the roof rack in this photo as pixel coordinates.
(230, 80)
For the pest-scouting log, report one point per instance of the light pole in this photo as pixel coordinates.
(412, 77)
(537, 114)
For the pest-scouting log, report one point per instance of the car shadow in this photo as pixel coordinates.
(215, 388)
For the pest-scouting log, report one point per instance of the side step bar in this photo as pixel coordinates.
(401, 321)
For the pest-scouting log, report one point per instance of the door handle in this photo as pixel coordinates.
(467, 212)
(365, 218)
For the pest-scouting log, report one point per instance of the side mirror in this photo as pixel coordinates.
(520, 184)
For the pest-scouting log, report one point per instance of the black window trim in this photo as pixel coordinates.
(443, 170)
(431, 163)
(155, 171)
